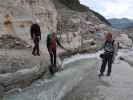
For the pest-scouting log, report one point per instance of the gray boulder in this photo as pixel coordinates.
(124, 41)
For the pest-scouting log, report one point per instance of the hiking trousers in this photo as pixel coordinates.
(108, 58)
(52, 53)
(36, 50)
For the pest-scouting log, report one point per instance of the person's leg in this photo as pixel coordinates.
(51, 67)
(51, 56)
(37, 48)
(34, 48)
(109, 65)
(54, 66)
(103, 66)
(54, 53)
(36, 43)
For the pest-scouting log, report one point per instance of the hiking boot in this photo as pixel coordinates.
(38, 54)
(33, 54)
(108, 74)
(51, 70)
(100, 75)
(121, 58)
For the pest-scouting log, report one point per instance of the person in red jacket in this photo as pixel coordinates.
(52, 42)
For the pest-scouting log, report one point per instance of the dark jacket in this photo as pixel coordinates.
(35, 31)
(109, 47)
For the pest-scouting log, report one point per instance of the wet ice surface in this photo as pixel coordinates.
(78, 81)
(56, 87)
(120, 85)
(117, 87)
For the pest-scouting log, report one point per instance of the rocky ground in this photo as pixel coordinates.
(13, 42)
(18, 67)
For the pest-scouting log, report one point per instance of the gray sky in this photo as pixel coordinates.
(111, 8)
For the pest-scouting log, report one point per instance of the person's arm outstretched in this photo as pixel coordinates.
(57, 40)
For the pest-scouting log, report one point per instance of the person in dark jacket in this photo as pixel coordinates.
(36, 37)
(109, 51)
(52, 42)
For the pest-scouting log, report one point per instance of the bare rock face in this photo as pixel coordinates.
(20, 78)
(76, 27)
(73, 22)
(11, 42)
(18, 69)
(1, 90)
(124, 41)
(21, 13)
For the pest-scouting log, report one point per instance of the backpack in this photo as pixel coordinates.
(109, 46)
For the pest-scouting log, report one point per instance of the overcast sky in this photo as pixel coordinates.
(111, 8)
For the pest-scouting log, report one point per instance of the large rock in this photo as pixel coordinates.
(12, 42)
(124, 41)
(18, 68)
(1, 90)
(128, 59)
(20, 78)
(131, 35)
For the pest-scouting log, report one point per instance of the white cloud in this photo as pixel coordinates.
(111, 8)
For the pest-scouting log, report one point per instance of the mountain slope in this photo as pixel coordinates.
(75, 5)
(121, 23)
(77, 24)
